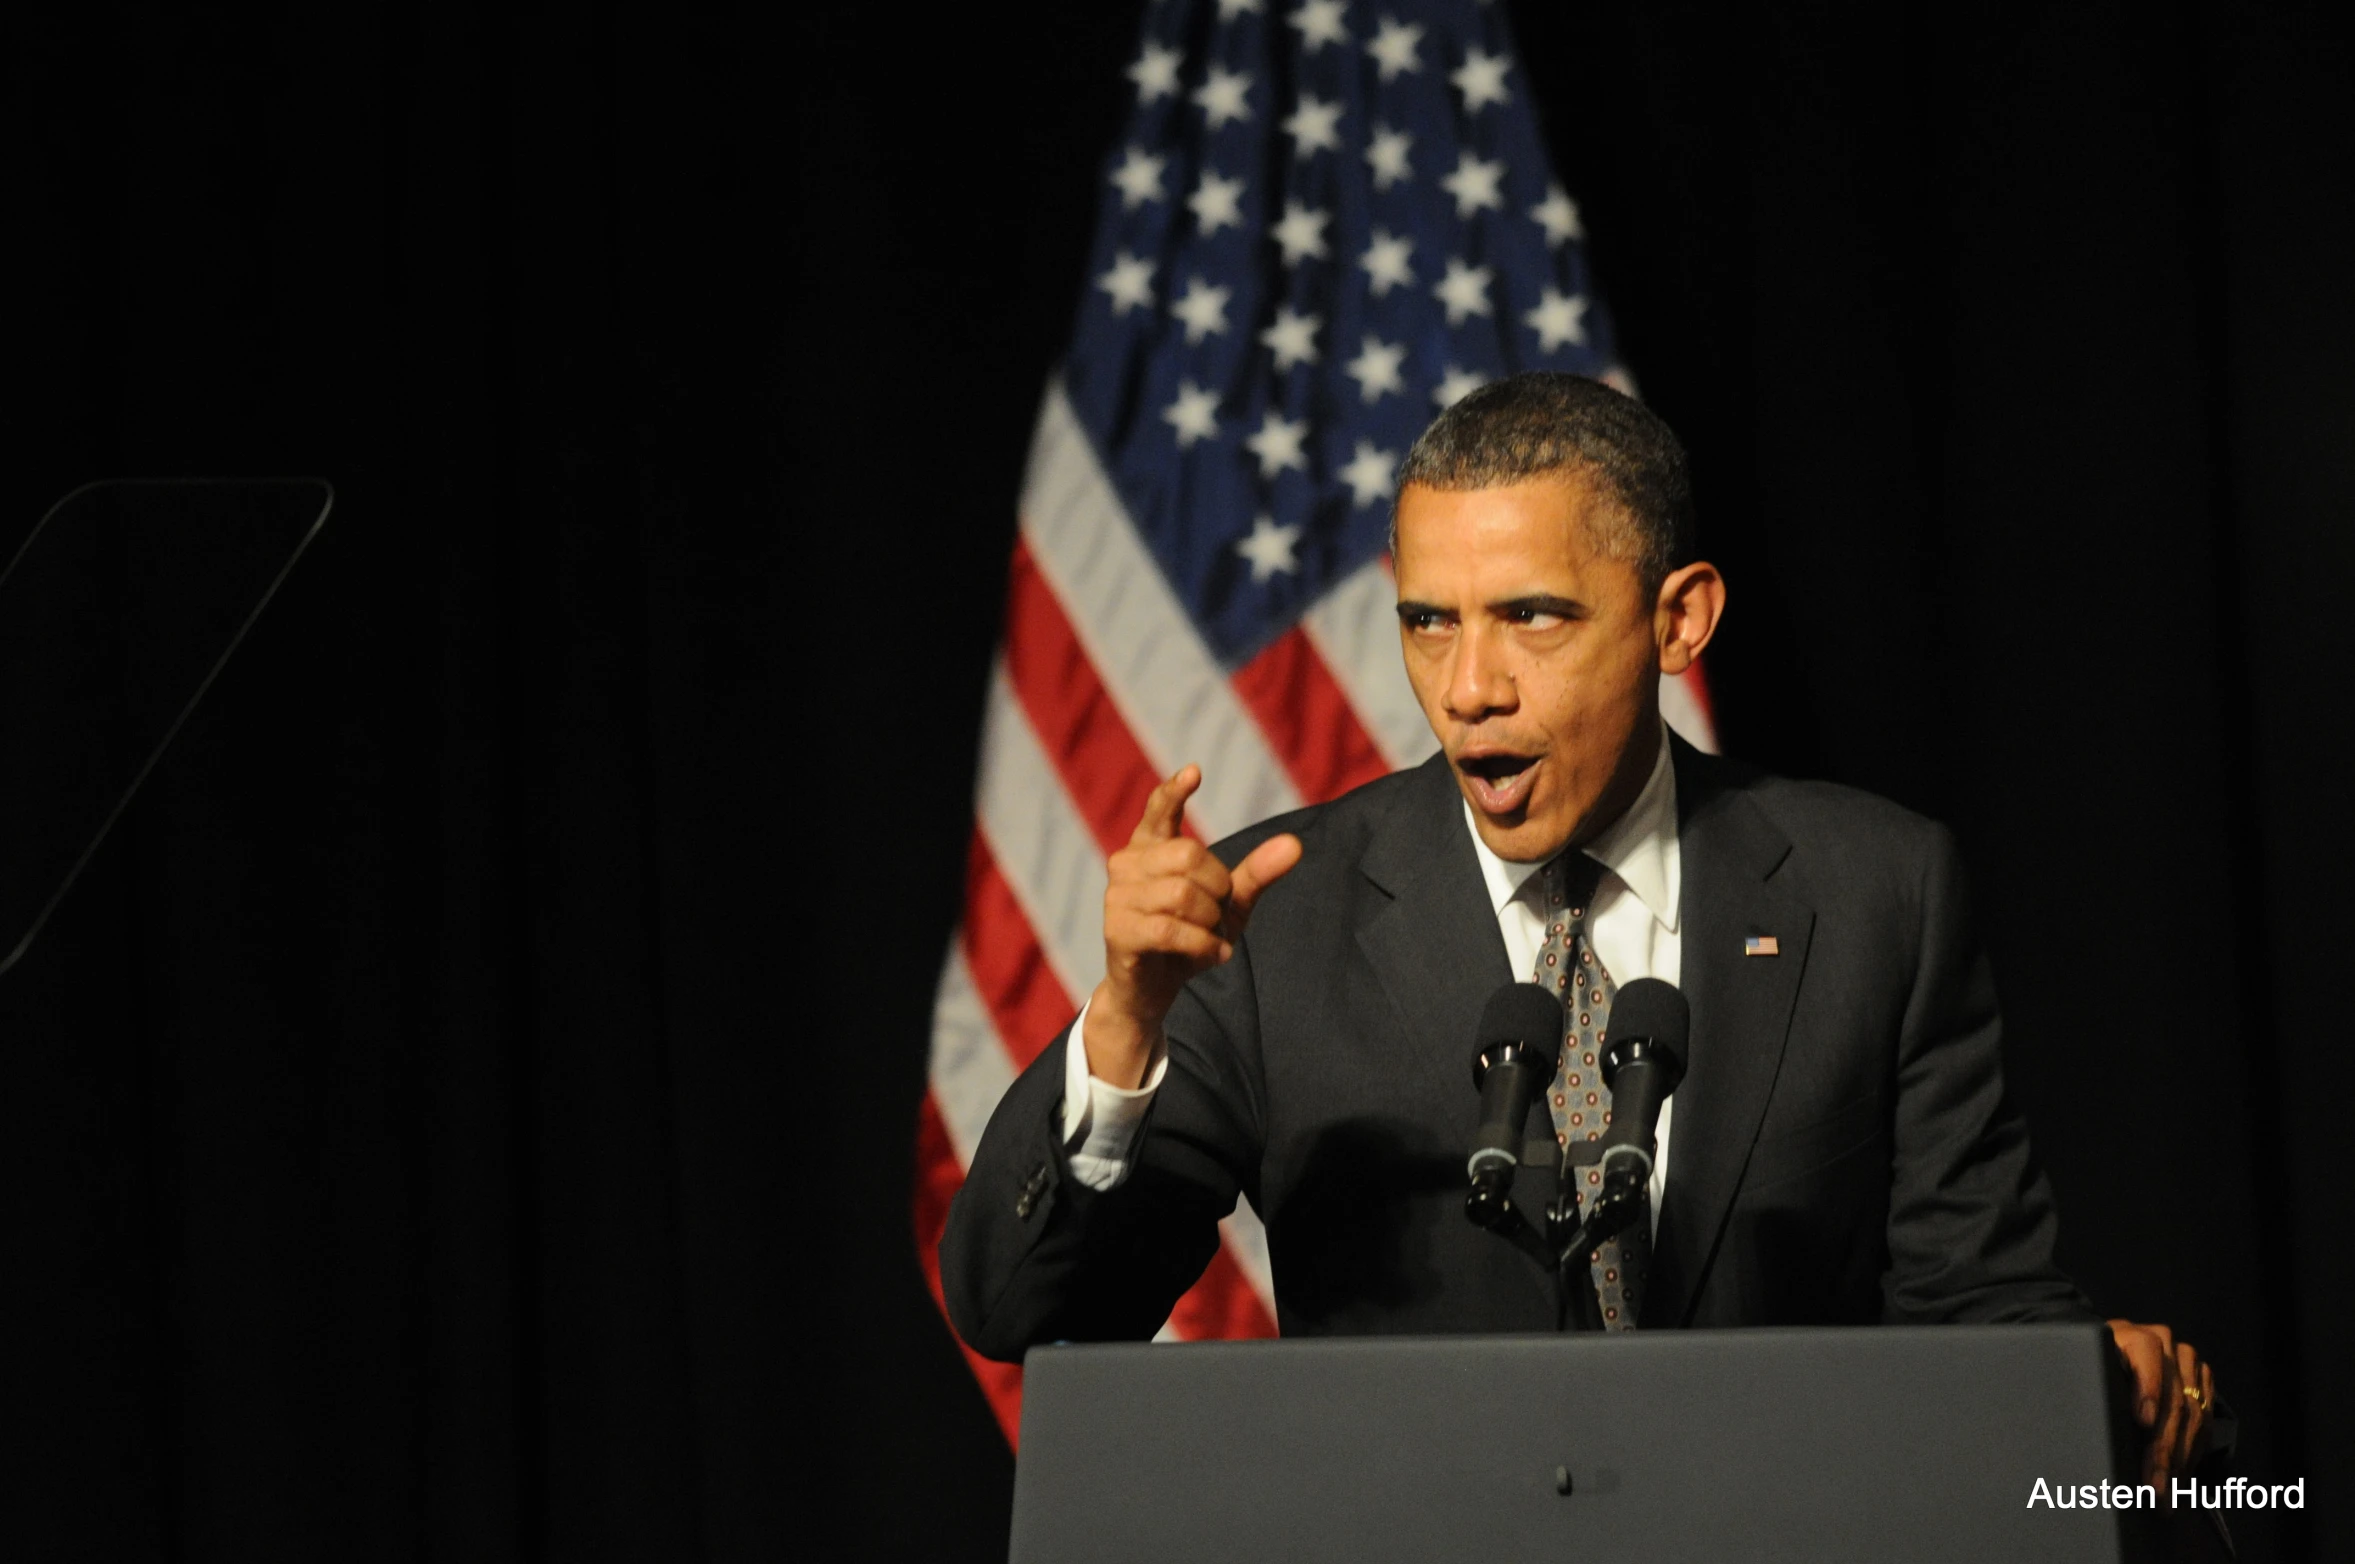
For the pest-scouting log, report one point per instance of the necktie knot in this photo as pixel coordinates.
(1571, 881)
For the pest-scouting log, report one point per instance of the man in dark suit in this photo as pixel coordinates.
(1287, 1016)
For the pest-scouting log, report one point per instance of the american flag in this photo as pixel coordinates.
(1323, 224)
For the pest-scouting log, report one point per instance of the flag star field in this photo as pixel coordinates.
(1332, 218)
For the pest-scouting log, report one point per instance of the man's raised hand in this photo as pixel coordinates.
(1172, 910)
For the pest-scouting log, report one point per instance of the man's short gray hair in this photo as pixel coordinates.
(1529, 425)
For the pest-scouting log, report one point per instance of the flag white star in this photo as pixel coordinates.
(1222, 96)
(1393, 48)
(1557, 214)
(1216, 203)
(1385, 262)
(1319, 23)
(1277, 445)
(1474, 184)
(1193, 414)
(1481, 79)
(1138, 178)
(1293, 338)
(1270, 550)
(1155, 73)
(1129, 282)
(1314, 126)
(1556, 320)
(1228, 10)
(1464, 290)
(1457, 384)
(1203, 309)
(1386, 156)
(1301, 233)
(1375, 369)
(1368, 473)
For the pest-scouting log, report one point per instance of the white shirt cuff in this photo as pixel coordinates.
(1100, 1120)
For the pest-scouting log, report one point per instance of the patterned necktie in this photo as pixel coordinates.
(1580, 1101)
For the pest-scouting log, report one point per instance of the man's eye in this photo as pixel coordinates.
(1423, 624)
(1536, 618)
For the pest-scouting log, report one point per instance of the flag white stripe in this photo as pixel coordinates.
(1686, 714)
(1354, 628)
(1246, 1240)
(1170, 690)
(1041, 843)
(971, 1069)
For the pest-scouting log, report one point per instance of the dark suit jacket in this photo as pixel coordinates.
(1843, 1149)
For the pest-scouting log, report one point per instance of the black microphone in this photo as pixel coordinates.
(1643, 1060)
(1517, 1051)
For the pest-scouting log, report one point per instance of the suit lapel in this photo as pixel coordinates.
(1741, 1012)
(1435, 948)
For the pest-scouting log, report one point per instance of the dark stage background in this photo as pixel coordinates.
(466, 1113)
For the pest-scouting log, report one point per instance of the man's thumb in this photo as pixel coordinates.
(1267, 863)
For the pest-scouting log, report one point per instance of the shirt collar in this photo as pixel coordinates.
(1638, 847)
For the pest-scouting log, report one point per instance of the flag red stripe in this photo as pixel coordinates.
(1026, 1000)
(938, 1178)
(1308, 719)
(1082, 731)
(1222, 1306)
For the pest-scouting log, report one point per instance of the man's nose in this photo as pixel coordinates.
(1479, 683)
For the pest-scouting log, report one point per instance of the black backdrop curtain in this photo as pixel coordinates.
(466, 1113)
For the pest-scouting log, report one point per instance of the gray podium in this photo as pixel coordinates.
(1817, 1445)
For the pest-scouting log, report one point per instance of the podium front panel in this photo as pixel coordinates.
(1819, 1445)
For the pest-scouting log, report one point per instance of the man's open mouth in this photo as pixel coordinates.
(1499, 783)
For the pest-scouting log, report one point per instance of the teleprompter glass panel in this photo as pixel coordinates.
(116, 614)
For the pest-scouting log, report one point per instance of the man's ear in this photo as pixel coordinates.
(1685, 615)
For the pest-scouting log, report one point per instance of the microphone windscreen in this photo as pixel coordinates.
(1654, 1011)
(1527, 1014)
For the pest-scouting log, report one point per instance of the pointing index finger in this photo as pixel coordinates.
(1166, 807)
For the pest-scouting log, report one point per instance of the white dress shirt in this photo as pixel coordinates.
(1633, 926)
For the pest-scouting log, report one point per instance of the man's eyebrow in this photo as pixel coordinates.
(1541, 603)
(1409, 609)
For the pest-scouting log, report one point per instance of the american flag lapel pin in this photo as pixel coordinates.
(1761, 945)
